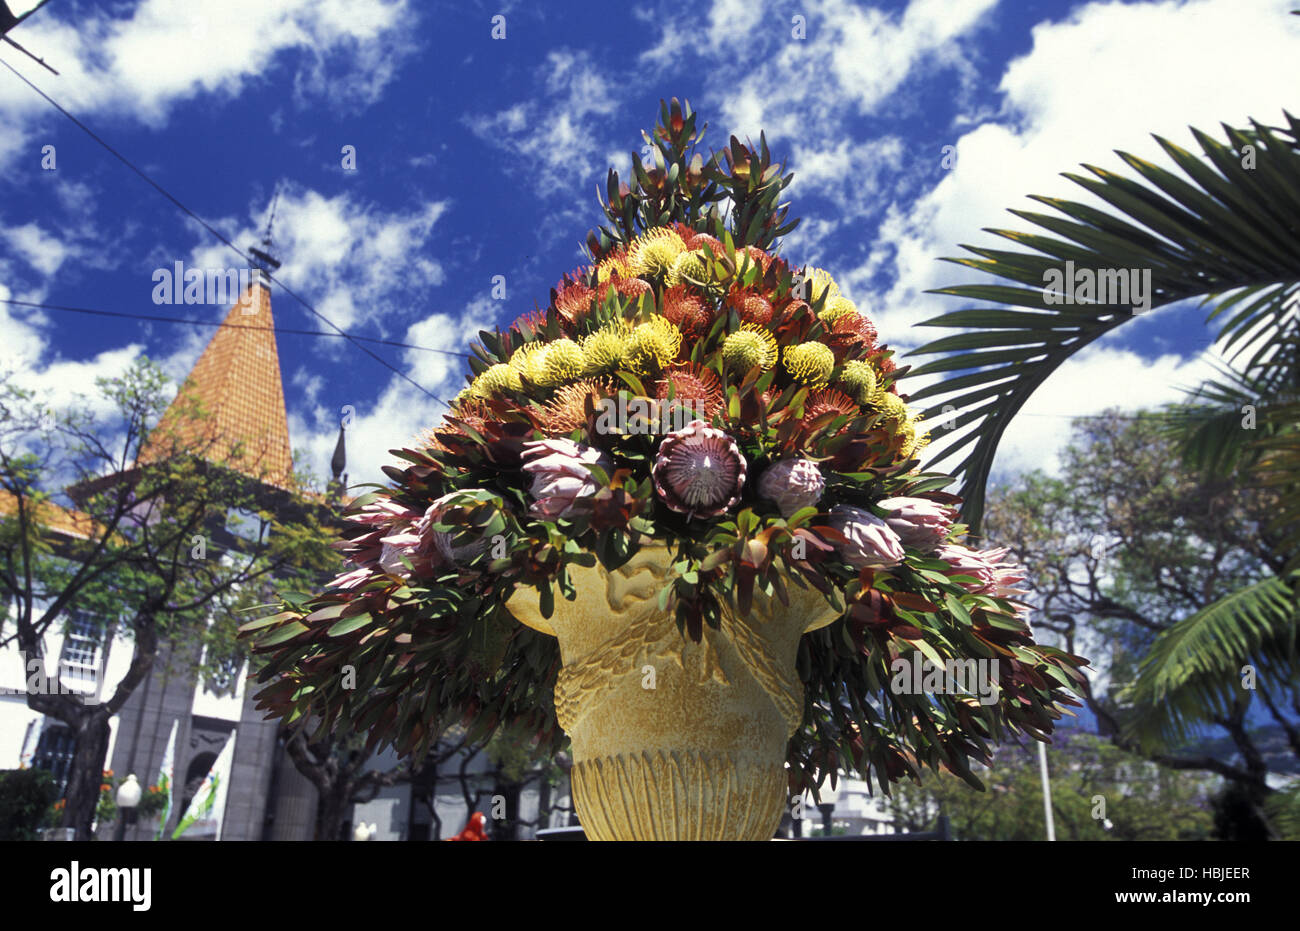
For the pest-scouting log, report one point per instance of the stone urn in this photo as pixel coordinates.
(674, 740)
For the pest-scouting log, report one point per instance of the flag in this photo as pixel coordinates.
(208, 807)
(31, 741)
(165, 780)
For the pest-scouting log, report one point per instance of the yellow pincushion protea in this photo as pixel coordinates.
(748, 347)
(689, 265)
(894, 408)
(607, 347)
(653, 345)
(836, 308)
(914, 438)
(652, 254)
(559, 362)
(810, 363)
(526, 360)
(615, 266)
(497, 379)
(859, 381)
(820, 283)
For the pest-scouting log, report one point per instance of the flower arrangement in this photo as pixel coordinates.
(696, 389)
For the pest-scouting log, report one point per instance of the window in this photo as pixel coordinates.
(80, 659)
(224, 678)
(54, 752)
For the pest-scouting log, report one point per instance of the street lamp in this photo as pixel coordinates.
(128, 798)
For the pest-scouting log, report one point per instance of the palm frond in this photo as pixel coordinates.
(1278, 469)
(1230, 234)
(1193, 672)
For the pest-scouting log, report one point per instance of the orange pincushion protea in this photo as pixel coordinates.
(827, 400)
(857, 327)
(700, 240)
(573, 301)
(628, 287)
(535, 319)
(753, 308)
(567, 411)
(688, 311)
(691, 382)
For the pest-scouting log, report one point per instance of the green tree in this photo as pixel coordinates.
(128, 518)
(1099, 792)
(1228, 234)
(1124, 547)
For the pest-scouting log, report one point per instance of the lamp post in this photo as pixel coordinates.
(1047, 791)
(128, 798)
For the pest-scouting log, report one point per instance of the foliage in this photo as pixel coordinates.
(682, 307)
(118, 512)
(1137, 557)
(1139, 801)
(1231, 236)
(25, 796)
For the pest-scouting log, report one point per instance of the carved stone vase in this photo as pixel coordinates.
(674, 740)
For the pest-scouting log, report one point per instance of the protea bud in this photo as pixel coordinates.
(871, 541)
(792, 484)
(919, 522)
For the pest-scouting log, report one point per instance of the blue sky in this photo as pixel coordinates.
(478, 157)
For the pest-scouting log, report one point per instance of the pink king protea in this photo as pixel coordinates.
(871, 541)
(919, 522)
(699, 470)
(977, 565)
(792, 484)
(560, 474)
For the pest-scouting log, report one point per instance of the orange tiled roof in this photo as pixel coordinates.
(237, 382)
(63, 521)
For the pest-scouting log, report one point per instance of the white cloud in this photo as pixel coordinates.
(1060, 108)
(166, 52)
(553, 136)
(27, 361)
(42, 251)
(355, 263)
(400, 412)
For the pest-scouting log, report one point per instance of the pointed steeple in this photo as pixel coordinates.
(339, 462)
(237, 383)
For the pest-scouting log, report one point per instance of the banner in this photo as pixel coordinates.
(165, 775)
(208, 808)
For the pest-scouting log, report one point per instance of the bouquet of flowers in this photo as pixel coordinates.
(695, 389)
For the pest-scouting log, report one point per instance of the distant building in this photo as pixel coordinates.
(237, 378)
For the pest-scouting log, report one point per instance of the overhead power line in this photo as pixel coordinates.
(159, 318)
(216, 233)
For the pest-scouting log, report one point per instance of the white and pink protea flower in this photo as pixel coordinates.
(384, 512)
(969, 562)
(994, 574)
(425, 547)
(919, 522)
(872, 543)
(792, 484)
(560, 475)
(699, 470)
(1008, 577)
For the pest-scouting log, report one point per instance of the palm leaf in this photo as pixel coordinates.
(1228, 233)
(1192, 673)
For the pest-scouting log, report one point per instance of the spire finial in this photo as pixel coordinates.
(338, 463)
(263, 261)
